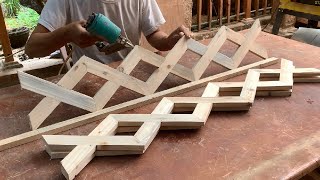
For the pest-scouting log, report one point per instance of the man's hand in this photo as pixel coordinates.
(161, 41)
(174, 37)
(79, 35)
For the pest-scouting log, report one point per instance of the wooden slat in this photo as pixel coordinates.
(110, 87)
(47, 104)
(122, 79)
(157, 60)
(80, 156)
(247, 8)
(246, 46)
(66, 142)
(220, 11)
(98, 115)
(210, 13)
(136, 120)
(265, 5)
(57, 92)
(239, 39)
(237, 8)
(166, 67)
(199, 14)
(212, 50)
(228, 10)
(250, 86)
(256, 7)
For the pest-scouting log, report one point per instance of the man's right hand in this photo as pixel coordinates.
(77, 34)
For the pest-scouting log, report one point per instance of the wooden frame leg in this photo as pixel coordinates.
(278, 21)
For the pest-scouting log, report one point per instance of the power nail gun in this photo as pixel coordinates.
(101, 26)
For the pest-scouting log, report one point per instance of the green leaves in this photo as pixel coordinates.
(25, 17)
(12, 7)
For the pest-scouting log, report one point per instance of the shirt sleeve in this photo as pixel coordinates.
(54, 14)
(152, 17)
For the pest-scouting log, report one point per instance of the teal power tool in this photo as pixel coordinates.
(101, 26)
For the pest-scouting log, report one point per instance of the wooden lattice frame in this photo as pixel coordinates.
(102, 141)
(62, 91)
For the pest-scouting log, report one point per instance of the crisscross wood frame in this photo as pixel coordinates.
(102, 141)
(62, 91)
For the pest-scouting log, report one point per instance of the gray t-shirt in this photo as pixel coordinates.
(133, 17)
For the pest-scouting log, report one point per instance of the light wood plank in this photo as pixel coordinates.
(47, 104)
(202, 110)
(157, 60)
(166, 67)
(239, 39)
(212, 50)
(98, 115)
(246, 45)
(117, 77)
(57, 92)
(136, 120)
(286, 73)
(64, 142)
(250, 86)
(106, 92)
(80, 156)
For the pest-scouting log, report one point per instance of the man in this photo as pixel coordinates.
(62, 22)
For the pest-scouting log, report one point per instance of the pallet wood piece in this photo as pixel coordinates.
(55, 91)
(169, 64)
(98, 115)
(162, 117)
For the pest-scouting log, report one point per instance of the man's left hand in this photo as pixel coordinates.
(174, 37)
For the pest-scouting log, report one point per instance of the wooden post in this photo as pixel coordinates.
(256, 7)
(237, 4)
(209, 13)
(228, 10)
(265, 5)
(199, 4)
(247, 8)
(5, 39)
(220, 11)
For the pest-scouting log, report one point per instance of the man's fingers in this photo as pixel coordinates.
(185, 31)
(181, 34)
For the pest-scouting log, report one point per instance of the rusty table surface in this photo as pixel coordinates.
(278, 138)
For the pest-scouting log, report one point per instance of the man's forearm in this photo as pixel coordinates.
(159, 40)
(43, 44)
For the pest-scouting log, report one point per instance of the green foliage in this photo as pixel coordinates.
(12, 7)
(26, 17)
